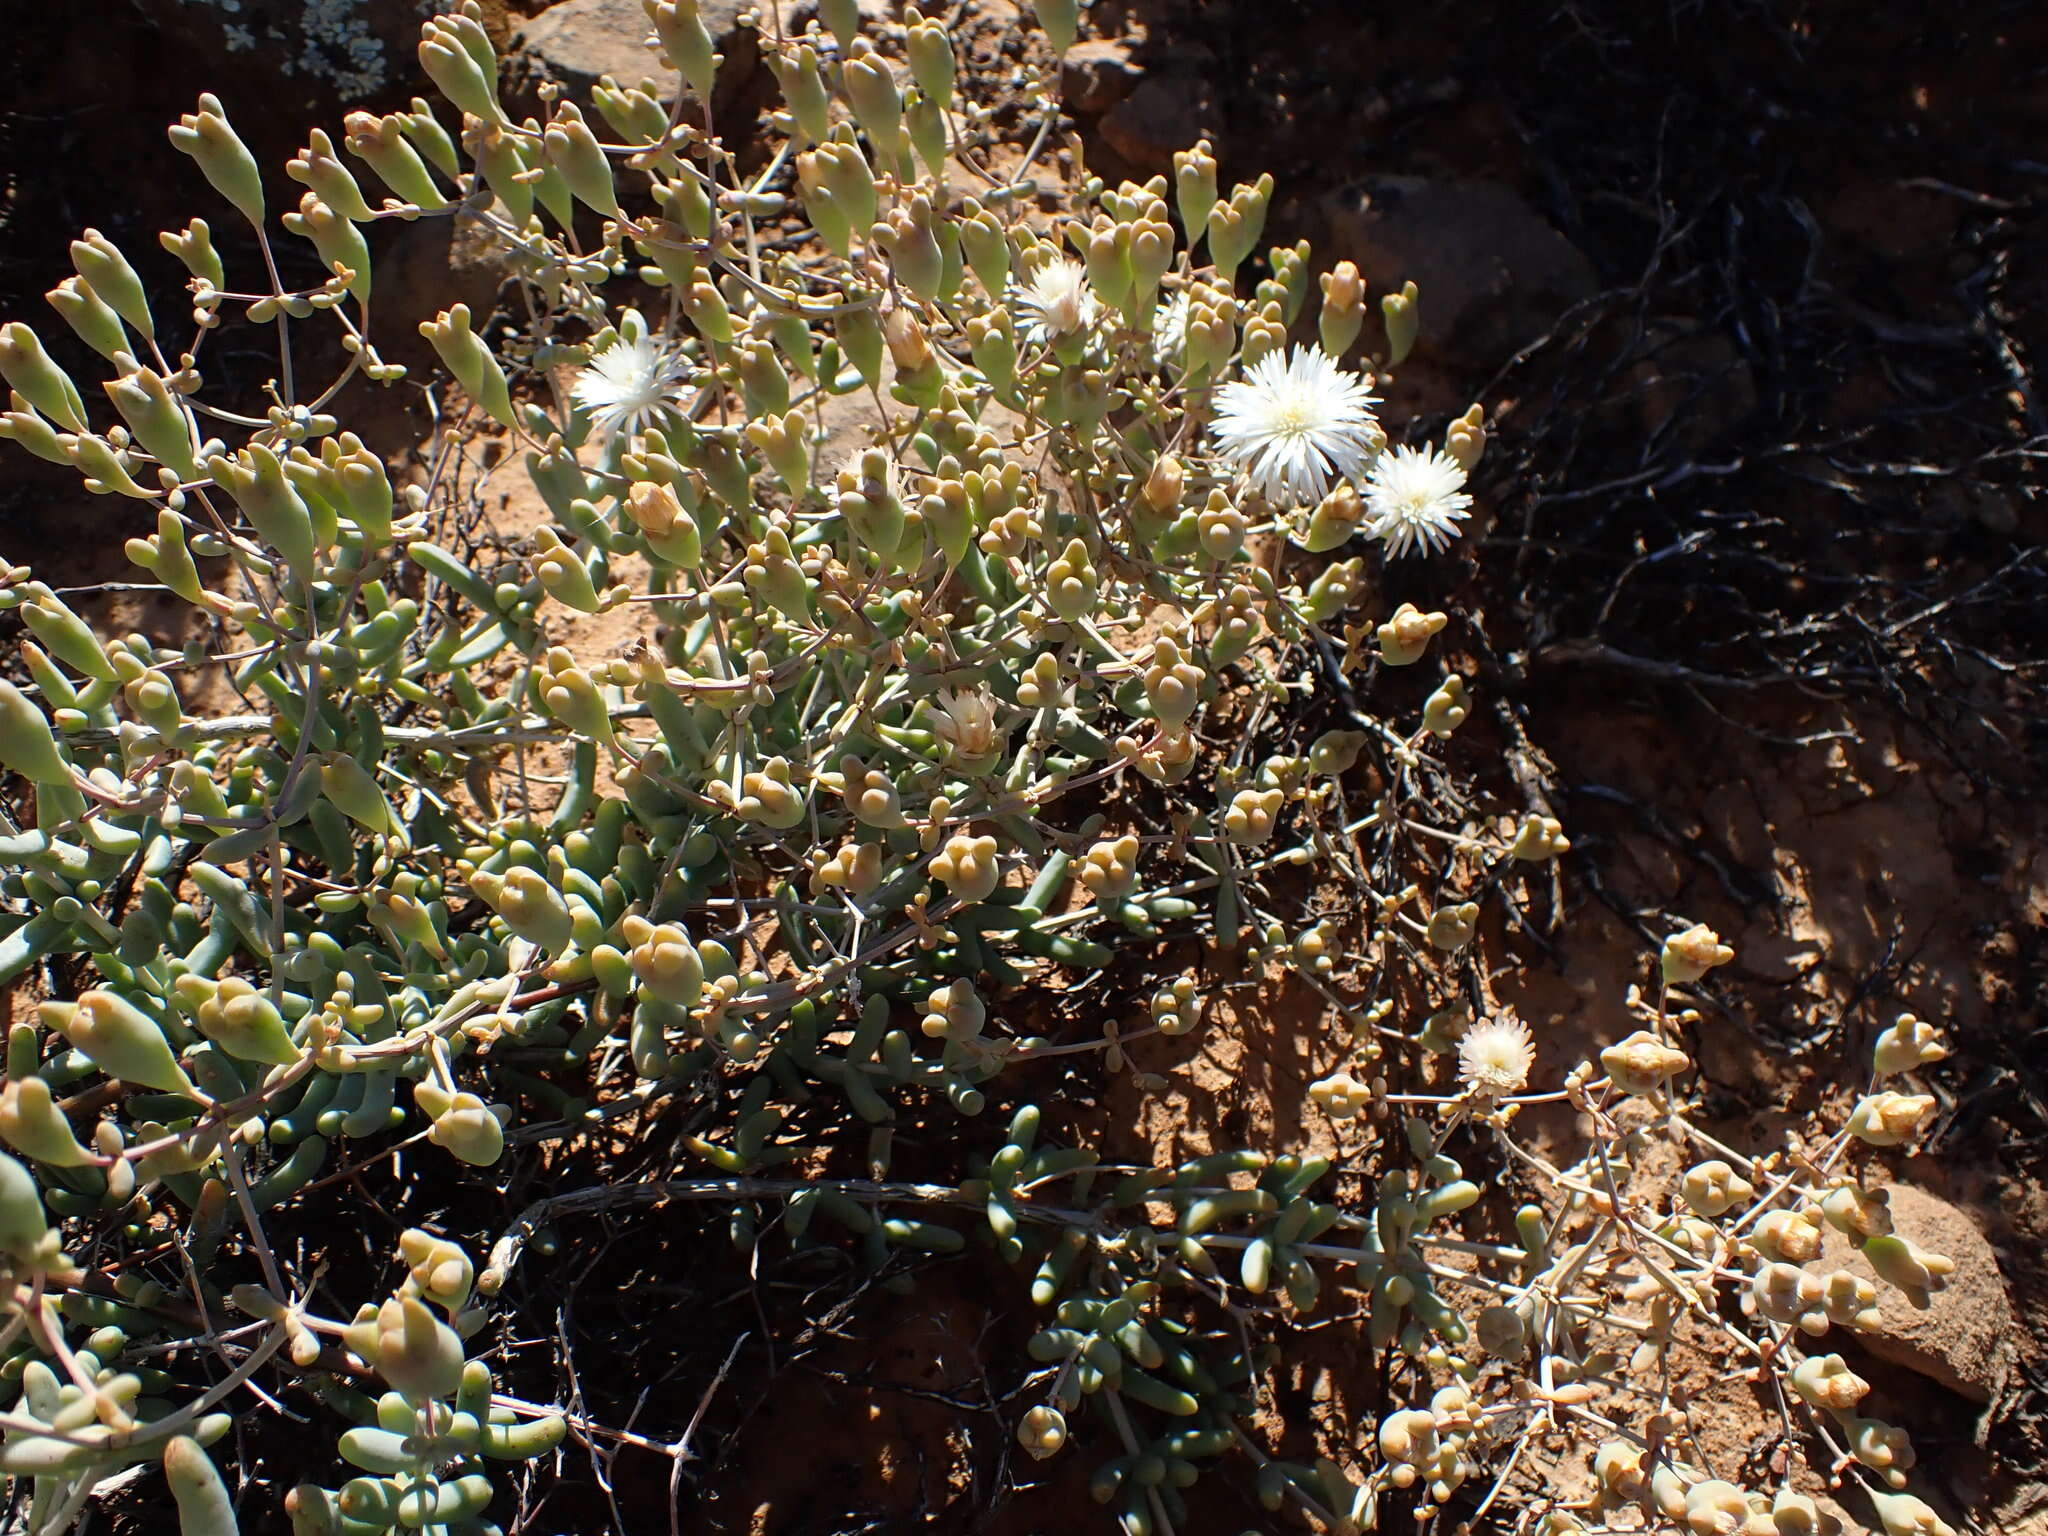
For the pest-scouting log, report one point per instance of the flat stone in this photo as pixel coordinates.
(577, 42)
(1163, 113)
(1096, 74)
(1493, 274)
(1964, 1341)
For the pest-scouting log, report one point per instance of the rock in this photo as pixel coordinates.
(1164, 113)
(425, 267)
(1964, 1341)
(577, 42)
(1494, 276)
(1097, 74)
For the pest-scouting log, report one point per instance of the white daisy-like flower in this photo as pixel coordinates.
(631, 384)
(1296, 423)
(1415, 500)
(1057, 301)
(1170, 330)
(1495, 1056)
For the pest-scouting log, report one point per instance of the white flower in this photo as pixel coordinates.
(630, 384)
(1170, 330)
(1057, 301)
(1415, 500)
(1495, 1056)
(966, 723)
(1294, 424)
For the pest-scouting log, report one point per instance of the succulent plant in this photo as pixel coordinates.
(1010, 687)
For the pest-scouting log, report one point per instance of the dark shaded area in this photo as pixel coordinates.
(1790, 433)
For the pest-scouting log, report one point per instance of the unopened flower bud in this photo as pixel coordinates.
(1343, 312)
(225, 159)
(1445, 710)
(418, 1355)
(1335, 519)
(1342, 1096)
(954, 1012)
(1453, 926)
(1251, 815)
(1713, 1188)
(1042, 1431)
(1826, 1382)
(1466, 438)
(1404, 321)
(1540, 838)
(1109, 870)
(969, 866)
